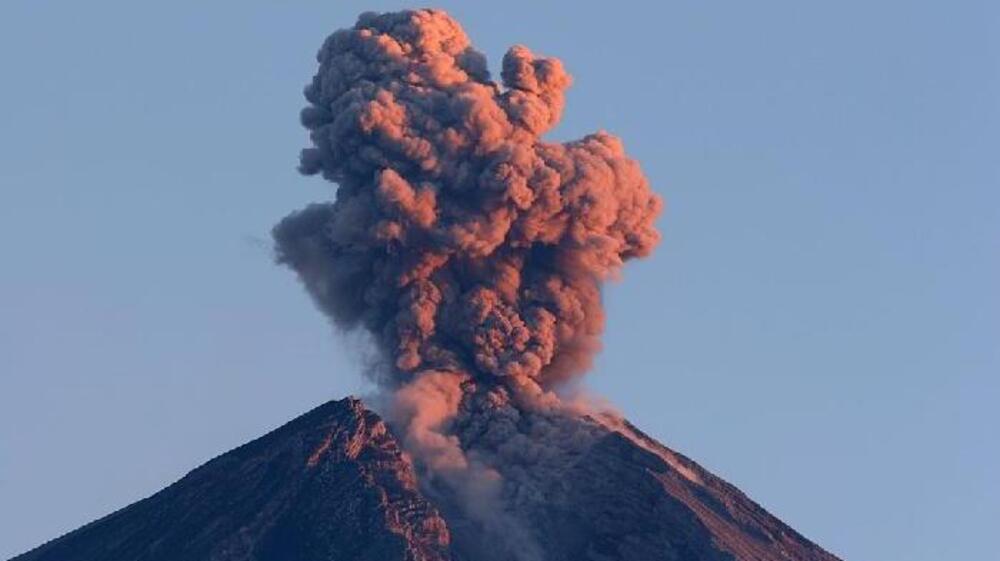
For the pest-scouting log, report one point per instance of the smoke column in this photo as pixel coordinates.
(469, 248)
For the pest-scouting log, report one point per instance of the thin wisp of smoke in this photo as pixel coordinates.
(472, 250)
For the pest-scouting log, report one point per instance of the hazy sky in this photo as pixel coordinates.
(819, 326)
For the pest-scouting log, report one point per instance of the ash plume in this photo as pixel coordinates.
(469, 248)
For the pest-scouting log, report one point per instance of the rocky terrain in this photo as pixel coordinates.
(334, 484)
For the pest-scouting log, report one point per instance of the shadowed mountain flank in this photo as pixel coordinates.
(331, 484)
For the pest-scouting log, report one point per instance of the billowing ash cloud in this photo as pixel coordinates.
(469, 248)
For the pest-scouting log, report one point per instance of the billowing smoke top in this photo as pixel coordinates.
(463, 242)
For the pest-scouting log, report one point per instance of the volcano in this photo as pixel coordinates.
(335, 485)
(472, 251)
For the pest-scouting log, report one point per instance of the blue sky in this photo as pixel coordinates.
(819, 325)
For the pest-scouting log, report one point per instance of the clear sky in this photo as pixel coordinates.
(820, 325)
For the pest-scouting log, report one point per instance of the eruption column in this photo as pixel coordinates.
(472, 250)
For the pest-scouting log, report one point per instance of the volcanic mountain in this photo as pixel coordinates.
(335, 485)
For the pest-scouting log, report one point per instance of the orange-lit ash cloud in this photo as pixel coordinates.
(472, 250)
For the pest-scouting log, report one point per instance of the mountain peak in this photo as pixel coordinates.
(331, 484)
(334, 484)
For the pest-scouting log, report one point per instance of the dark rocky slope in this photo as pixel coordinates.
(333, 485)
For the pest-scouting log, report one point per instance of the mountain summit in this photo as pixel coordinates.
(334, 484)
